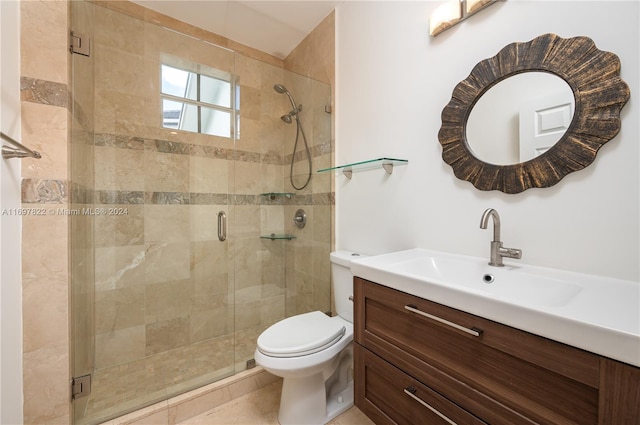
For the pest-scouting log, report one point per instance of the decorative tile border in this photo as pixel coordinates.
(44, 92)
(39, 191)
(36, 191)
(180, 148)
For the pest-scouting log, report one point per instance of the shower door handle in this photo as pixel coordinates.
(222, 226)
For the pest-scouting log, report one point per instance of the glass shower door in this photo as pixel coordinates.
(161, 304)
(279, 269)
(152, 284)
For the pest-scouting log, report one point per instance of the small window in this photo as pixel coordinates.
(199, 103)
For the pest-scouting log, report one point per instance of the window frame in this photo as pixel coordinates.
(233, 109)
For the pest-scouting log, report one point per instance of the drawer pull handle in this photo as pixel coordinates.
(472, 331)
(410, 391)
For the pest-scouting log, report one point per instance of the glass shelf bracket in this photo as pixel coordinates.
(275, 237)
(385, 163)
(274, 195)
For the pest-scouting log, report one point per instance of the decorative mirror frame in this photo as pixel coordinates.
(600, 94)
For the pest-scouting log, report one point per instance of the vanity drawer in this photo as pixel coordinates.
(390, 396)
(501, 374)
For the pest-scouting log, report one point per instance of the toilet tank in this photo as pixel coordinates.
(342, 281)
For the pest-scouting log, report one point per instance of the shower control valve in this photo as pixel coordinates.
(300, 219)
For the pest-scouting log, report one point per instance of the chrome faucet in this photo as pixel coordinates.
(497, 251)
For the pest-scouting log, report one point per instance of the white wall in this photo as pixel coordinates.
(10, 225)
(393, 81)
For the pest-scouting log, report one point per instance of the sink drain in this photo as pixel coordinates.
(488, 278)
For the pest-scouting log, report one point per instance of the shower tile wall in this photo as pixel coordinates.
(45, 273)
(47, 305)
(171, 301)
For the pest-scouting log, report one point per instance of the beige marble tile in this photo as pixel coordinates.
(246, 221)
(209, 265)
(168, 300)
(250, 316)
(118, 267)
(119, 309)
(322, 224)
(247, 178)
(45, 127)
(46, 385)
(166, 223)
(250, 102)
(166, 172)
(204, 222)
(158, 418)
(120, 346)
(120, 230)
(353, 416)
(209, 175)
(44, 40)
(315, 55)
(166, 262)
(142, 414)
(43, 303)
(266, 378)
(118, 112)
(161, 41)
(242, 387)
(118, 169)
(207, 324)
(44, 241)
(247, 71)
(118, 31)
(272, 310)
(118, 68)
(258, 407)
(272, 219)
(191, 408)
(166, 335)
(261, 407)
(250, 134)
(271, 177)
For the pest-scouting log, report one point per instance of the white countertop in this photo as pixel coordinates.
(594, 313)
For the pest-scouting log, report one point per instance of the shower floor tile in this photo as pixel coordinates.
(261, 408)
(126, 387)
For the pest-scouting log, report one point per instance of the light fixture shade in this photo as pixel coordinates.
(445, 16)
(472, 6)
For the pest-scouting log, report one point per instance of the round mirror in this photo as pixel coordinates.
(520, 118)
(592, 75)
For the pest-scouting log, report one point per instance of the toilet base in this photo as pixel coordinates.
(304, 401)
(340, 403)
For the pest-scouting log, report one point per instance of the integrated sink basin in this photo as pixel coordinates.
(474, 275)
(595, 313)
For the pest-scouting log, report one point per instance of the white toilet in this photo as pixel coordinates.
(313, 353)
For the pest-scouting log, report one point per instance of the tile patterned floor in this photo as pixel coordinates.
(122, 388)
(261, 408)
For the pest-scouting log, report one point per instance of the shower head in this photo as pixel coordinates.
(286, 118)
(283, 90)
(280, 89)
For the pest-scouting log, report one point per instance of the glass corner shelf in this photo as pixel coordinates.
(274, 195)
(386, 163)
(277, 237)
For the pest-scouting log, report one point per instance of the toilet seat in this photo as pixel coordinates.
(301, 335)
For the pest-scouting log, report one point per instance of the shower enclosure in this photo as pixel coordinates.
(161, 302)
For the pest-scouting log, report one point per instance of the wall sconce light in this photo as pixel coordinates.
(445, 16)
(453, 12)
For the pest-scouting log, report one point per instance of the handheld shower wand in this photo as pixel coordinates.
(288, 118)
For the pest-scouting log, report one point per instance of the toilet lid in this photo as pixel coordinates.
(300, 335)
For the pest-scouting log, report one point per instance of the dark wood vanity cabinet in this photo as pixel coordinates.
(419, 362)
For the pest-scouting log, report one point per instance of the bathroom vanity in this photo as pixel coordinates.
(421, 362)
